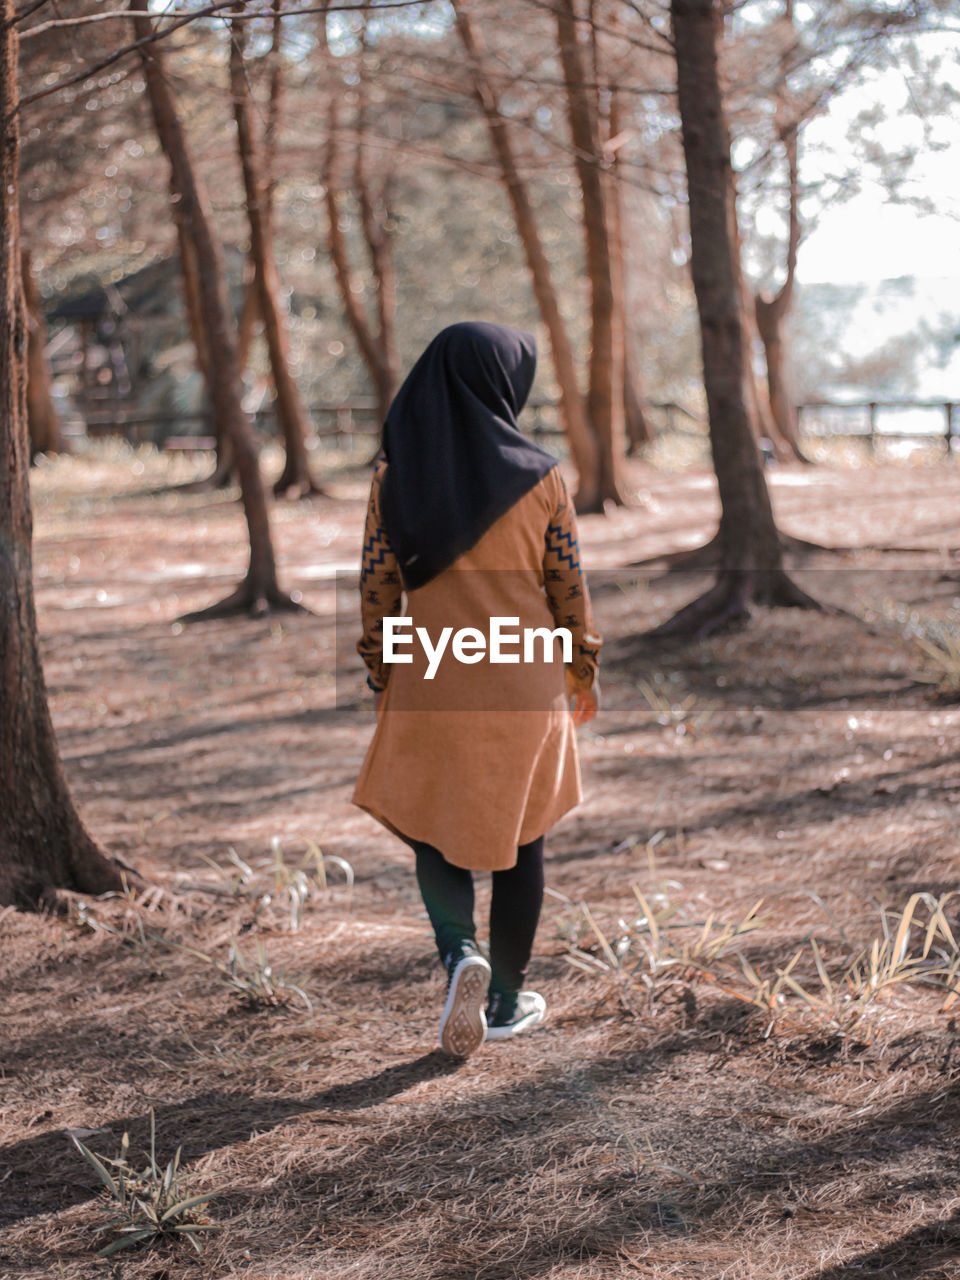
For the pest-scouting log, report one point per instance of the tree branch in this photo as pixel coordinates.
(208, 11)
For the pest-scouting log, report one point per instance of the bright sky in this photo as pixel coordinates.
(868, 238)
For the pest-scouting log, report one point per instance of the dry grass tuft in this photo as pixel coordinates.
(151, 1202)
(278, 889)
(936, 640)
(663, 952)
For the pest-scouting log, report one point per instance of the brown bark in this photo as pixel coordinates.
(43, 843)
(191, 293)
(770, 324)
(761, 416)
(605, 390)
(249, 314)
(758, 406)
(295, 480)
(584, 447)
(377, 232)
(224, 470)
(249, 311)
(636, 423)
(42, 417)
(772, 310)
(750, 552)
(274, 110)
(377, 344)
(259, 590)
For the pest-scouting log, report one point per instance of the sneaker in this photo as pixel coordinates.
(510, 1014)
(463, 1025)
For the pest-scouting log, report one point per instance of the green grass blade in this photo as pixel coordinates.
(98, 1166)
(190, 1203)
(125, 1242)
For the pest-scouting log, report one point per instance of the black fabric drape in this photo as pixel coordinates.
(456, 459)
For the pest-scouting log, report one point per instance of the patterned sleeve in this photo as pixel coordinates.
(380, 587)
(566, 588)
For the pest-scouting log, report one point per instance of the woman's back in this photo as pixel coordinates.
(480, 756)
(474, 758)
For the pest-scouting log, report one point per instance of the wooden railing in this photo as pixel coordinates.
(867, 424)
(338, 422)
(341, 422)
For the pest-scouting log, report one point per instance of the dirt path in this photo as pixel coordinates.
(797, 758)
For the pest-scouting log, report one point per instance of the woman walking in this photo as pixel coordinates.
(474, 760)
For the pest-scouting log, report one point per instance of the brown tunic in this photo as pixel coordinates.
(480, 758)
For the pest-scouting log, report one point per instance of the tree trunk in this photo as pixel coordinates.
(635, 418)
(758, 406)
(761, 415)
(750, 553)
(605, 393)
(772, 311)
(42, 417)
(378, 348)
(370, 349)
(191, 294)
(636, 424)
(378, 235)
(43, 844)
(295, 480)
(224, 471)
(770, 324)
(259, 590)
(584, 447)
(274, 109)
(249, 314)
(377, 223)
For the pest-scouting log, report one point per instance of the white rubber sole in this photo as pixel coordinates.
(463, 1023)
(536, 1014)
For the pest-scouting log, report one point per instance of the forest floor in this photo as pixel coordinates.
(661, 1129)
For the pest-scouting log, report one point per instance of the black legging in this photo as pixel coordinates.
(514, 909)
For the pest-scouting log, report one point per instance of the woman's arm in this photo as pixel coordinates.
(568, 595)
(380, 587)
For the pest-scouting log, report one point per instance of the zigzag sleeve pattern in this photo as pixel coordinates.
(566, 589)
(380, 587)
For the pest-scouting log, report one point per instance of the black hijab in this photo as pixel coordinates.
(456, 458)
